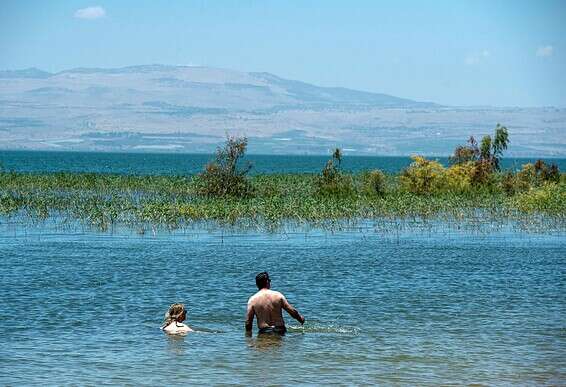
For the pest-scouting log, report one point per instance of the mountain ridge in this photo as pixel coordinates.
(302, 89)
(192, 108)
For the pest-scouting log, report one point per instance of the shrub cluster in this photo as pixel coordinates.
(428, 177)
(374, 183)
(549, 198)
(530, 176)
(488, 153)
(423, 176)
(476, 167)
(223, 176)
(331, 181)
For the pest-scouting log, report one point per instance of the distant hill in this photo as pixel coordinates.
(190, 108)
(205, 87)
(32, 72)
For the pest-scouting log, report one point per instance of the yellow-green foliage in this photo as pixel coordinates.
(458, 178)
(9, 204)
(427, 176)
(530, 176)
(423, 176)
(533, 175)
(550, 198)
(527, 176)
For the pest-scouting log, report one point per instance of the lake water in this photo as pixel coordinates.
(412, 308)
(187, 164)
(383, 306)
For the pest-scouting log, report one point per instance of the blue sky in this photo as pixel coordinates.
(503, 53)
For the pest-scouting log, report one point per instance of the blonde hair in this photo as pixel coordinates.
(173, 314)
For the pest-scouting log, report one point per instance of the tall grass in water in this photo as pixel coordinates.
(471, 188)
(139, 202)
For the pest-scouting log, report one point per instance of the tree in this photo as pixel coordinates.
(337, 155)
(485, 148)
(488, 153)
(331, 181)
(223, 176)
(500, 142)
(465, 153)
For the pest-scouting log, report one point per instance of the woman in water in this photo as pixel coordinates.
(173, 322)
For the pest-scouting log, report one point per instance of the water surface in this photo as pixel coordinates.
(411, 308)
(188, 164)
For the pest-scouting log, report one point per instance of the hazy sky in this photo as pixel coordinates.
(503, 53)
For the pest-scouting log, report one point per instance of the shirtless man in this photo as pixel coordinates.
(267, 306)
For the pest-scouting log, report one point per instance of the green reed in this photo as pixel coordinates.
(142, 202)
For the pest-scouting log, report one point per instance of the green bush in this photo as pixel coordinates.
(546, 173)
(465, 153)
(531, 176)
(509, 183)
(426, 177)
(374, 183)
(514, 183)
(485, 157)
(423, 176)
(331, 181)
(482, 173)
(458, 178)
(223, 176)
(550, 198)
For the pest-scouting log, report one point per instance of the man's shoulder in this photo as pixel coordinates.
(277, 294)
(262, 294)
(254, 297)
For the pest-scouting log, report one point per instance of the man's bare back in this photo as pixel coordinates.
(267, 306)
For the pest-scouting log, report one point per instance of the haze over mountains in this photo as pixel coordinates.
(190, 109)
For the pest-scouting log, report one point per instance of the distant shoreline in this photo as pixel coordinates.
(251, 153)
(175, 164)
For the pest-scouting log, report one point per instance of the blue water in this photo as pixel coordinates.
(422, 306)
(84, 308)
(188, 164)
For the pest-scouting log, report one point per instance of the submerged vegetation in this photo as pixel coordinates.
(472, 186)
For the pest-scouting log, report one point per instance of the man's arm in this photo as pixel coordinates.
(250, 317)
(291, 310)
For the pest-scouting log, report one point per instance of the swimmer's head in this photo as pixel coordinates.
(176, 312)
(262, 280)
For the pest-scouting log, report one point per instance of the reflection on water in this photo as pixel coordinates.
(265, 341)
(199, 330)
(176, 343)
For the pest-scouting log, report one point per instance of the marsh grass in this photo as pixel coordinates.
(145, 203)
